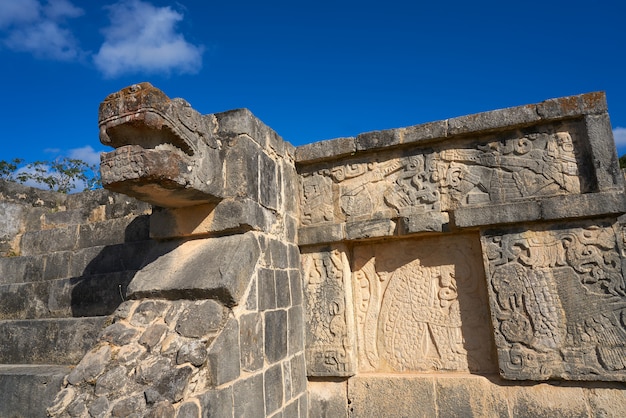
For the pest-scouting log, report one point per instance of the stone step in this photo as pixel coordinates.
(48, 341)
(27, 390)
(94, 295)
(64, 264)
(74, 237)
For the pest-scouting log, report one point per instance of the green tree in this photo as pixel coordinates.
(8, 168)
(622, 161)
(62, 174)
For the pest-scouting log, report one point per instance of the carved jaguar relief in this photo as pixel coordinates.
(558, 302)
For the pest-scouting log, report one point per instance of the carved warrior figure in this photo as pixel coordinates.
(328, 344)
(558, 303)
(537, 164)
(166, 152)
(415, 305)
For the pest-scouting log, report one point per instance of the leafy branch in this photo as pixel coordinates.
(61, 174)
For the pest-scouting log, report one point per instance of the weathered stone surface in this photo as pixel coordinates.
(225, 277)
(173, 385)
(267, 289)
(493, 120)
(91, 366)
(422, 308)
(297, 326)
(99, 407)
(275, 335)
(153, 335)
(283, 292)
(298, 377)
(201, 318)
(497, 214)
(194, 352)
(370, 229)
(295, 285)
(38, 242)
(330, 334)
(378, 139)
(130, 406)
(155, 144)
(113, 231)
(320, 234)
(188, 410)
(248, 398)
(113, 380)
(427, 222)
(550, 208)
(228, 216)
(163, 409)
(557, 299)
(325, 149)
(21, 269)
(386, 402)
(328, 399)
(35, 341)
(119, 334)
(31, 389)
(109, 259)
(251, 342)
(10, 225)
(424, 132)
(273, 381)
(224, 359)
(219, 402)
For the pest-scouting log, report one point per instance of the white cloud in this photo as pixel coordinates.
(17, 12)
(39, 29)
(143, 38)
(59, 9)
(86, 153)
(619, 134)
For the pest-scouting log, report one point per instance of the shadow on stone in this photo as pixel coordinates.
(101, 286)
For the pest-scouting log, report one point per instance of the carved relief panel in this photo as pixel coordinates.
(329, 312)
(421, 305)
(558, 302)
(509, 167)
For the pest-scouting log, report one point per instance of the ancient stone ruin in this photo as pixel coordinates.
(466, 267)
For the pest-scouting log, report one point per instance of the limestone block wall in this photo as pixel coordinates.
(65, 263)
(214, 324)
(462, 263)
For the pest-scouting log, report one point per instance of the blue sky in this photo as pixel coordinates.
(312, 70)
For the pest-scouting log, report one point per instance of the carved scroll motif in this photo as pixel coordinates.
(422, 307)
(558, 301)
(533, 165)
(539, 164)
(330, 335)
(316, 192)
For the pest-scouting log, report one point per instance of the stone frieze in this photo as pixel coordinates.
(514, 166)
(558, 302)
(422, 307)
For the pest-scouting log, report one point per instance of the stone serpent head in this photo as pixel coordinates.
(166, 153)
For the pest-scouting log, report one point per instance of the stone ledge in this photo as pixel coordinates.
(552, 208)
(513, 117)
(215, 268)
(474, 395)
(332, 148)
